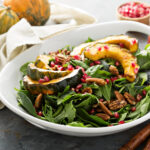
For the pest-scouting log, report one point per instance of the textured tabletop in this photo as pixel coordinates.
(17, 134)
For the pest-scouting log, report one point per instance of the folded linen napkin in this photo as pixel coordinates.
(22, 34)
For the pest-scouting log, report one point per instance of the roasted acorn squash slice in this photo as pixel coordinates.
(114, 51)
(129, 42)
(54, 85)
(36, 73)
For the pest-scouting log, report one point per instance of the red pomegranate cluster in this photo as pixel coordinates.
(134, 10)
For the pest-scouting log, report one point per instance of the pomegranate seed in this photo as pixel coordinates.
(70, 67)
(46, 78)
(40, 113)
(121, 45)
(61, 68)
(91, 64)
(139, 97)
(101, 99)
(52, 64)
(83, 80)
(97, 62)
(133, 64)
(144, 92)
(134, 41)
(41, 80)
(148, 39)
(99, 48)
(92, 111)
(107, 80)
(133, 109)
(56, 60)
(77, 57)
(77, 67)
(121, 122)
(116, 115)
(117, 63)
(136, 70)
(113, 79)
(79, 86)
(106, 47)
(87, 49)
(84, 76)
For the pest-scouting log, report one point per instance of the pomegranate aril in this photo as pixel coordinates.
(144, 92)
(136, 70)
(40, 113)
(107, 80)
(61, 68)
(116, 115)
(106, 47)
(133, 64)
(97, 62)
(92, 64)
(121, 122)
(101, 99)
(46, 78)
(79, 86)
(99, 48)
(83, 80)
(139, 97)
(92, 111)
(70, 67)
(84, 76)
(133, 109)
(52, 64)
(77, 67)
(121, 45)
(77, 57)
(117, 63)
(41, 80)
(134, 41)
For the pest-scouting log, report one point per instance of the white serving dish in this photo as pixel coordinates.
(10, 74)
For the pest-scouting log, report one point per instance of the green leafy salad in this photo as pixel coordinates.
(90, 89)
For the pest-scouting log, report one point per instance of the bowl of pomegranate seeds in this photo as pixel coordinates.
(134, 11)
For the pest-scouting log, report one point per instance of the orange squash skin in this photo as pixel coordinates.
(37, 12)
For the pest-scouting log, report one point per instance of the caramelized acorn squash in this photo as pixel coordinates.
(36, 73)
(115, 52)
(54, 85)
(129, 42)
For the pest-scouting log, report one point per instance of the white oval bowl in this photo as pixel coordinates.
(10, 75)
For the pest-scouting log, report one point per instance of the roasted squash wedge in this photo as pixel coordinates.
(54, 85)
(129, 42)
(36, 73)
(114, 51)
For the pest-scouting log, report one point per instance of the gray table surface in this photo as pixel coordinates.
(17, 134)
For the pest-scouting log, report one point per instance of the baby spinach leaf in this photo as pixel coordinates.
(23, 68)
(48, 113)
(92, 71)
(68, 112)
(143, 59)
(26, 103)
(89, 40)
(79, 63)
(83, 113)
(78, 124)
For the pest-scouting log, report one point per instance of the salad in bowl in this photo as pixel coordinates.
(99, 83)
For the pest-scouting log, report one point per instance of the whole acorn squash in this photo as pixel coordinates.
(7, 19)
(54, 85)
(37, 12)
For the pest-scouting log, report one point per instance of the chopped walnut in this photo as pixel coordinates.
(98, 81)
(117, 104)
(38, 101)
(113, 70)
(130, 98)
(119, 96)
(87, 90)
(103, 116)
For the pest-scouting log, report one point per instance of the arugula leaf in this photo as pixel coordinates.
(79, 63)
(86, 104)
(78, 124)
(92, 71)
(48, 113)
(81, 112)
(106, 90)
(143, 59)
(89, 40)
(26, 103)
(147, 47)
(68, 112)
(23, 68)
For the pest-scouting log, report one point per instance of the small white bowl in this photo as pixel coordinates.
(10, 75)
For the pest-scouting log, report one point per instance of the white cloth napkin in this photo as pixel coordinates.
(22, 34)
